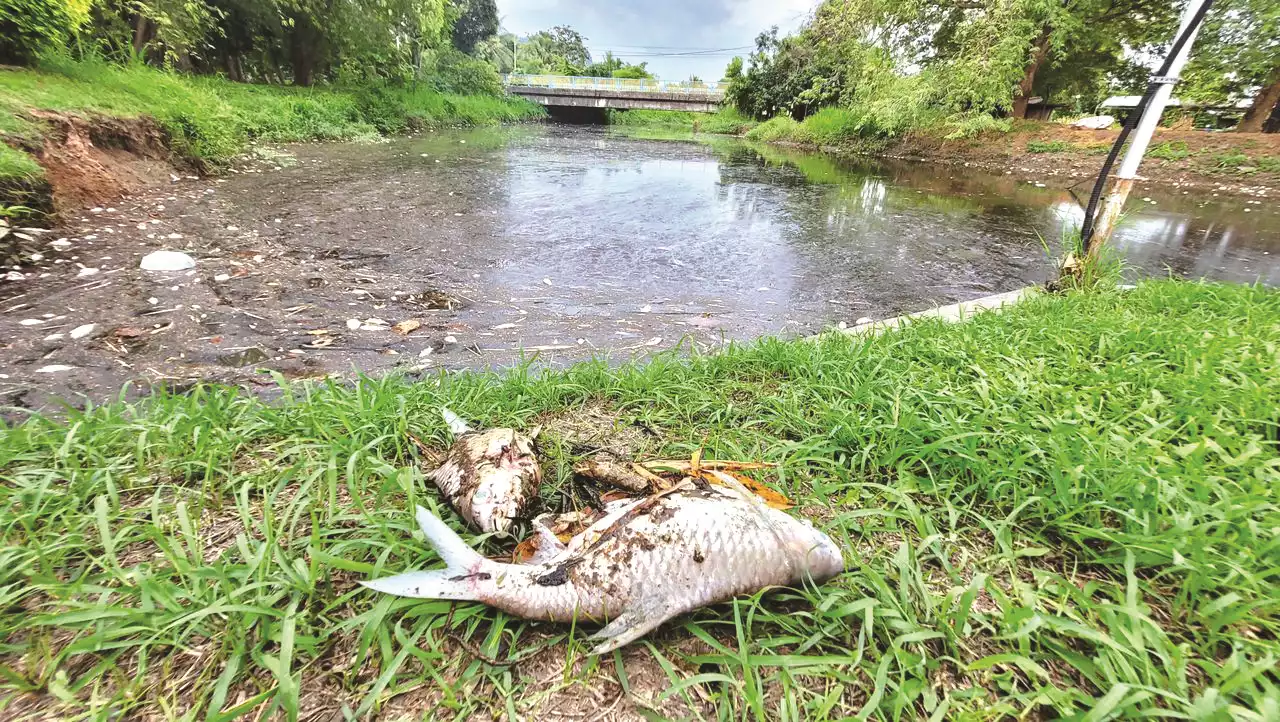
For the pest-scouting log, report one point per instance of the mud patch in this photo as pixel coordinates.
(98, 159)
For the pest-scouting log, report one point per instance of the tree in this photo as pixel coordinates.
(477, 22)
(560, 50)
(1237, 57)
(29, 26)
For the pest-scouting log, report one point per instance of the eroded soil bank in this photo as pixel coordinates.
(468, 249)
(1223, 162)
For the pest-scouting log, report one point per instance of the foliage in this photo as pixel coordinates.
(210, 119)
(781, 128)
(899, 66)
(972, 125)
(477, 22)
(560, 51)
(614, 67)
(1065, 510)
(1238, 49)
(464, 75)
(29, 26)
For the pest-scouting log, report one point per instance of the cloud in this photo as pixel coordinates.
(656, 30)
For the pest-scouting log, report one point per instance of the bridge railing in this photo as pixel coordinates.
(634, 84)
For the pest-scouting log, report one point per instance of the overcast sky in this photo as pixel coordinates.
(654, 30)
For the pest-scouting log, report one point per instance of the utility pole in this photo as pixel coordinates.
(1128, 172)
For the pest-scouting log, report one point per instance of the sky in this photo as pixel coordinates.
(678, 38)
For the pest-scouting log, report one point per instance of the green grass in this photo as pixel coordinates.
(1048, 146)
(16, 165)
(211, 120)
(725, 122)
(1170, 150)
(1070, 508)
(782, 128)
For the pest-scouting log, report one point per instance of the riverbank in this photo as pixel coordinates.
(993, 485)
(92, 131)
(1036, 152)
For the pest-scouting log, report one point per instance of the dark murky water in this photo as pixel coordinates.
(564, 241)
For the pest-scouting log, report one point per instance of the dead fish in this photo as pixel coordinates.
(645, 562)
(489, 477)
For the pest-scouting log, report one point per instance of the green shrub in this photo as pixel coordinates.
(1047, 146)
(1267, 164)
(27, 27)
(830, 126)
(726, 122)
(974, 125)
(783, 127)
(464, 75)
(382, 107)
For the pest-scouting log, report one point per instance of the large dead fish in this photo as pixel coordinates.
(489, 477)
(646, 561)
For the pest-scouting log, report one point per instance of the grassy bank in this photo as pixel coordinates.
(1068, 508)
(726, 122)
(209, 120)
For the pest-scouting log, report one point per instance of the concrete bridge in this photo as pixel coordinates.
(563, 91)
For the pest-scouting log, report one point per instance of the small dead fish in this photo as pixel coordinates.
(645, 562)
(489, 477)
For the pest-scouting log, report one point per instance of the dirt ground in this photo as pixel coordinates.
(1211, 159)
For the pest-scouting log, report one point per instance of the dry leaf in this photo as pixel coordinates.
(325, 342)
(770, 497)
(318, 332)
(683, 466)
(406, 327)
(525, 550)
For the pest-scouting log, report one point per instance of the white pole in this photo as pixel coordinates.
(1142, 134)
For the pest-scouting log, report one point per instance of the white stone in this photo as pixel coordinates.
(82, 331)
(167, 261)
(54, 368)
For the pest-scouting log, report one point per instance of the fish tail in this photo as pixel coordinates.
(455, 422)
(461, 578)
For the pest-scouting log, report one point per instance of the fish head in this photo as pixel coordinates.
(823, 559)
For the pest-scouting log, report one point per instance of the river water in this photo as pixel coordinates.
(562, 241)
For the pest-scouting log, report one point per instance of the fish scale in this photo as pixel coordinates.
(646, 561)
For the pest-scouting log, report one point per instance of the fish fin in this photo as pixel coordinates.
(549, 545)
(452, 582)
(455, 553)
(455, 422)
(632, 624)
(443, 584)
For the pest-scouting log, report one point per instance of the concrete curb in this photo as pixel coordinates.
(955, 313)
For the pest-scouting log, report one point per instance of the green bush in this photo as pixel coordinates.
(832, 125)
(465, 75)
(783, 128)
(972, 126)
(726, 122)
(28, 27)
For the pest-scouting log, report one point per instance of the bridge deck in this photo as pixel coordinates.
(616, 93)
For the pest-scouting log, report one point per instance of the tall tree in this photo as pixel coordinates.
(478, 21)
